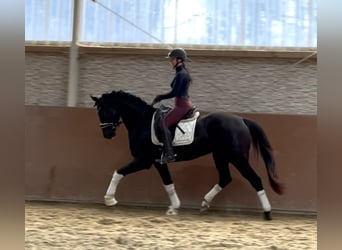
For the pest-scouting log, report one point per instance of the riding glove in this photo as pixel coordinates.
(156, 99)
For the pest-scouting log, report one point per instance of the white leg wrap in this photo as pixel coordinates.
(212, 193)
(264, 201)
(171, 191)
(113, 184)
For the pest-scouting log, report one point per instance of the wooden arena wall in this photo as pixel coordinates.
(68, 159)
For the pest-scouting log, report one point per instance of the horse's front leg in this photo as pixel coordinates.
(109, 198)
(134, 166)
(164, 173)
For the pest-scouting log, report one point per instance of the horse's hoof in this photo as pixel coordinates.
(267, 215)
(172, 211)
(204, 206)
(109, 201)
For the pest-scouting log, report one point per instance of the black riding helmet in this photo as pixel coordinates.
(178, 53)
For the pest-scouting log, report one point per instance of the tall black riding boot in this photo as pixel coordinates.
(168, 155)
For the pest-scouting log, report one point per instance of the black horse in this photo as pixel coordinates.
(228, 137)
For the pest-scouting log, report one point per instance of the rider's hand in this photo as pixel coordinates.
(156, 99)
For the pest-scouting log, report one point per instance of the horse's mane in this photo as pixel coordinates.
(127, 98)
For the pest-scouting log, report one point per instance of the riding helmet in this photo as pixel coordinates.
(177, 53)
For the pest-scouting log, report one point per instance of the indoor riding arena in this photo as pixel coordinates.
(69, 164)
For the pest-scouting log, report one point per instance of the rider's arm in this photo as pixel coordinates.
(178, 83)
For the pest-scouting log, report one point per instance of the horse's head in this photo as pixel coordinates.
(109, 117)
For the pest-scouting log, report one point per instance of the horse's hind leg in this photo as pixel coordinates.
(243, 166)
(221, 163)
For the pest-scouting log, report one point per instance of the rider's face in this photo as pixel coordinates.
(173, 62)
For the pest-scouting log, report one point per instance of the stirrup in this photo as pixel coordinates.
(166, 159)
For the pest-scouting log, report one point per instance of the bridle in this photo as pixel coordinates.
(113, 125)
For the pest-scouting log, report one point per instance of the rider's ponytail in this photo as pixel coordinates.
(190, 78)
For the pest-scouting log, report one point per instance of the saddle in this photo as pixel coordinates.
(182, 133)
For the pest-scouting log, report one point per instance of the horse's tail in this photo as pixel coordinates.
(262, 146)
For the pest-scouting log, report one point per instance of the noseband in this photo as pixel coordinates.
(110, 124)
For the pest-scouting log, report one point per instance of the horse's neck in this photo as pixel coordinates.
(134, 117)
(134, 111)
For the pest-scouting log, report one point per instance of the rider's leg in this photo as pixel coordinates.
(182, 106)
(168, 155)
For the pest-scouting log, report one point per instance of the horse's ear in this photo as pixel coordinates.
(94, 98)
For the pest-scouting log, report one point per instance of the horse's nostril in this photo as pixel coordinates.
(109, 133)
